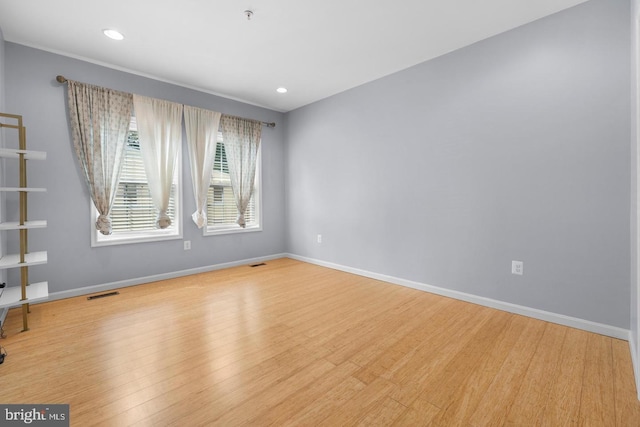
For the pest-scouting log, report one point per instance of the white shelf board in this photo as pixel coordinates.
(11, 296)
(30, 189)
(13, 260)
(14, 225)
(10, 153)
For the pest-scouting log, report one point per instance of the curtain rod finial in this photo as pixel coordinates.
(61, 79)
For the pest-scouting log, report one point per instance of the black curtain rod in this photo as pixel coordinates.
(63, 79)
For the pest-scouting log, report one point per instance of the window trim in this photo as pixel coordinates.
(216, 230)
(123, 238)
(130, 237)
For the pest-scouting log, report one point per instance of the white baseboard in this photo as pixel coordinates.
(633, 347)
(154, 278)
(560, 319)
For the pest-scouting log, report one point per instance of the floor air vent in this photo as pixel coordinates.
(108, 294)
(257, 265)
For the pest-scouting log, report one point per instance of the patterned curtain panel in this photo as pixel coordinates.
(202, 136)
(99, 120)
(160, 133)
(241, 142)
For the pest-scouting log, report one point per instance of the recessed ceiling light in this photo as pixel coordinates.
(113, 34)
(281, 90)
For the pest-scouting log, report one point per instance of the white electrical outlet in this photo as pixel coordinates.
(517, 267)
(319, 238)
(187, 245)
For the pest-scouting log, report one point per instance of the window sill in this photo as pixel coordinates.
(216, 231)
(134, 237)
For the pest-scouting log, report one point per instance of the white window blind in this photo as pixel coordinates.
(133, 208)
(133, 215)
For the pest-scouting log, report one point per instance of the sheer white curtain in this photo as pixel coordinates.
(202, 135)
(160, 134)
(241, 142)
(99, 120)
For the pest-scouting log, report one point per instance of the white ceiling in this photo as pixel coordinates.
(313, 48)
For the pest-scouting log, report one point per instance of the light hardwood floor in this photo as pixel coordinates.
(294, 344)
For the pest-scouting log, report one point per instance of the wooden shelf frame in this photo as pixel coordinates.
(26, 293)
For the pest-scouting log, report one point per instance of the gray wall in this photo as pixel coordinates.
(31, 90)
(635, 341)
(1, 71)
(515, 148)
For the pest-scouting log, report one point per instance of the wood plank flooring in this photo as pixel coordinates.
(294, 344)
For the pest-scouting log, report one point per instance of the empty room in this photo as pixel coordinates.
(419, 213)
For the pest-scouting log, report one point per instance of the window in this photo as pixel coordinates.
(222, 212)
(133, 215)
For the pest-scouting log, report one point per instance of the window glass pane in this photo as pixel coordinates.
(133, 214)
(221, 204)
(133, 208)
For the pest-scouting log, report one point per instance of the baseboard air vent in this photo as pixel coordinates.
(108, 294)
